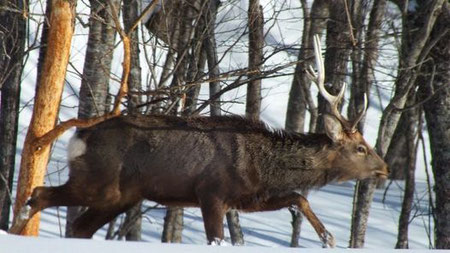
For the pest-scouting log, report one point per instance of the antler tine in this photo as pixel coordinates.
(360, 114)
(319, 79)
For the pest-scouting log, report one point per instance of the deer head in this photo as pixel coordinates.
(356, 156)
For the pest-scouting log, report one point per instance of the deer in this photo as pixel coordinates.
(215, 163)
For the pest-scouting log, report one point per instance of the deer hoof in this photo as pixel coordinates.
(328, 240)
(25, 212)
(218, 242)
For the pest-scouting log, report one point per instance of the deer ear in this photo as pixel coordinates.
(333, 128)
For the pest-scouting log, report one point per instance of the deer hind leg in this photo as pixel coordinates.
(92, 220)
(300, 202)
(213, 213)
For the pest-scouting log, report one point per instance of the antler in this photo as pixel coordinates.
(319, 79)
(360, 115)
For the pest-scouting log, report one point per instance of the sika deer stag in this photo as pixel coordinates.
(215, 163)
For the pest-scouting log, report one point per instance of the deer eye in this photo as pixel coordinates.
(361, 149)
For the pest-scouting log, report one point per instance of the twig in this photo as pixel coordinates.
(147, 9)
(50, 136)
(430, 191)
(350, 26)
(434, 92)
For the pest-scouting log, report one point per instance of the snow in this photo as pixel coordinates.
(264, 231)
(28, 244)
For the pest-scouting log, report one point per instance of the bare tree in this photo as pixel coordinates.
(435, 90)
(12, 42)
(47, 100)
(412, 133)
(256, 44)
(366, 80)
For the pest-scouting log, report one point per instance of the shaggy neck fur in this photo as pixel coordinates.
(302, 162)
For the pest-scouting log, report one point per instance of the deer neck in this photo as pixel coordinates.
(300, 163)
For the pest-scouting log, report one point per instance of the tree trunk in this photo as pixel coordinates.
(210, 47)
(336, 56)
(412, 128)
(397, 155)
(413, 41)
(438, 114)
(47, 100)
(96, 74)
(12, 40)
(131, 8)
(132, 226)
(435, 87)
(297, 103)
(255, 55)
(359, 214)
(360, 83)
(172, 224)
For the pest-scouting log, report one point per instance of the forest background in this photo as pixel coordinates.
(206, 57)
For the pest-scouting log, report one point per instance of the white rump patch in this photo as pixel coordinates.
(76, 148)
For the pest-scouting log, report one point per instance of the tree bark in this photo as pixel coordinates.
(297, 103)
(210, 47)
(397, 155)
(337, 54)
(359, 215)
(131, 9)
(12, 41)
(360, 82)
(435, 86)
(412, 134)
(46, 106)
(132, 226)
(96, 74)
(172, 222)
(255, 55)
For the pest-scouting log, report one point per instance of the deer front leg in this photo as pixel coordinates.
(41, 198)
(326, 237)
(295, 200)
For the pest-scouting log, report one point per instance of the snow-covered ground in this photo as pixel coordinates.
(25, 245)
